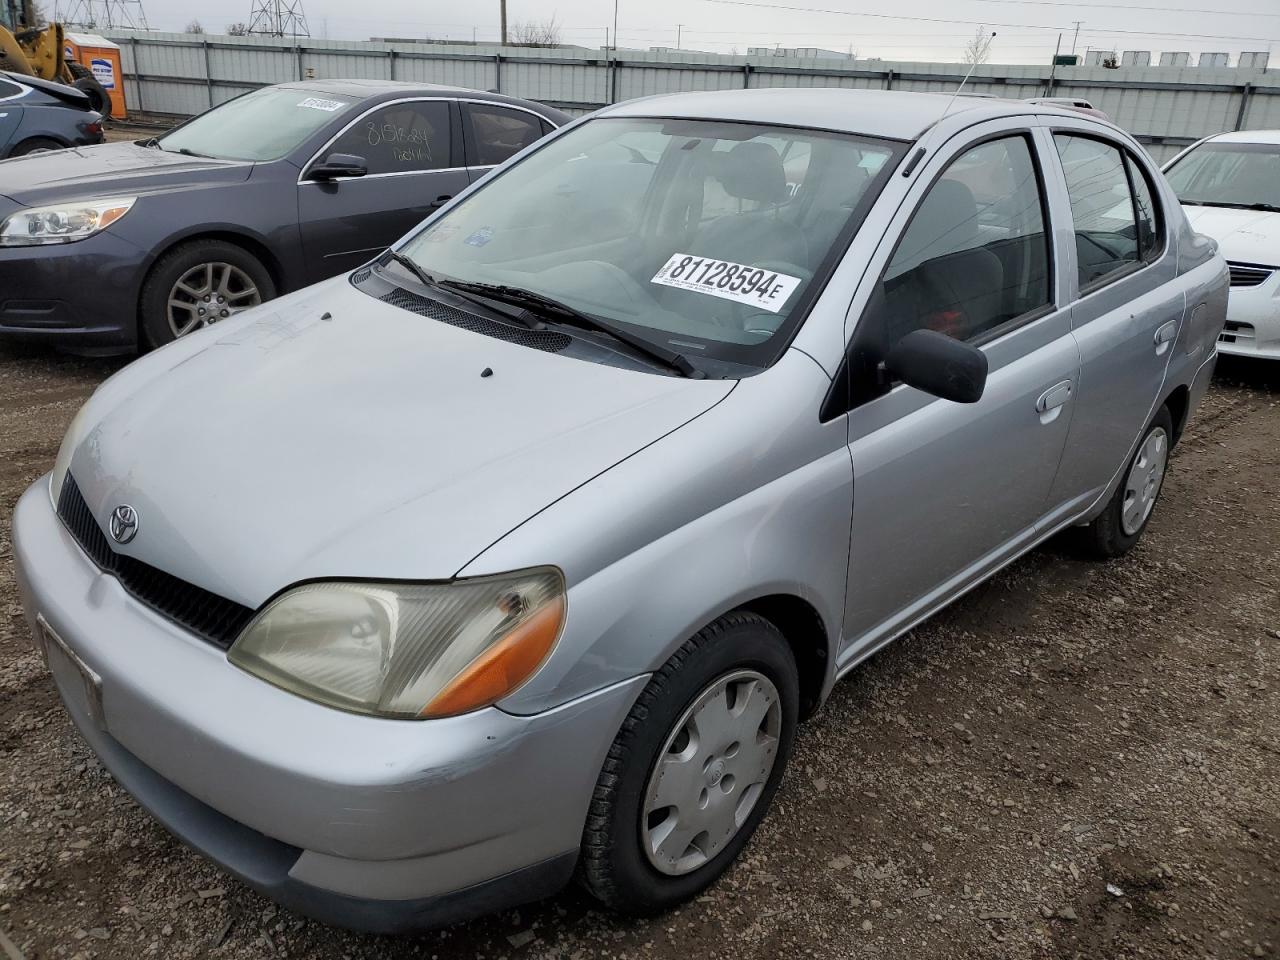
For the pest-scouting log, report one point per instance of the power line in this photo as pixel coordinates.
(973, 23)
(1124, 6)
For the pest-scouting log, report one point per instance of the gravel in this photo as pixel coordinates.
(982, 788)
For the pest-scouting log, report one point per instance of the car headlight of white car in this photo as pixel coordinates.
(63, 222)
(406, 650)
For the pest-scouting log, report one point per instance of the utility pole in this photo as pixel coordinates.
(503, 4)
(679, 30)
(1076, 37)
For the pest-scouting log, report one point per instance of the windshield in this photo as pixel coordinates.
(703, 236)
(264, 125)
(1229, 174)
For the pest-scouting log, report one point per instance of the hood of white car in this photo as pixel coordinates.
(366, 444)
(1244, 236)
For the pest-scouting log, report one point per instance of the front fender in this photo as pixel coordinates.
(753, 498)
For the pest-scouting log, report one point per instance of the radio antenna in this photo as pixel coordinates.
(920, 151)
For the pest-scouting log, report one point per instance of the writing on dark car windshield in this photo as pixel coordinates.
(698, 236)
(263, 125)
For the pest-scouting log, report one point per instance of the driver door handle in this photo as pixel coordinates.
(1051, 402)
(440, 201)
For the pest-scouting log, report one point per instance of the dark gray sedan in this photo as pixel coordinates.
(126, 245)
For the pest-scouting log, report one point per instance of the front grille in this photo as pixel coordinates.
(209, 616)
(1248, 274)
(1234, 332)
(549, 341)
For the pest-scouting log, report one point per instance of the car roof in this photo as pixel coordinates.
(896, 115)
(364, 89)
(1248, 136)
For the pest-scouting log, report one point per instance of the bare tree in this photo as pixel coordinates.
(533, 33)
(238, 29)
(194, 27)
(978, 50)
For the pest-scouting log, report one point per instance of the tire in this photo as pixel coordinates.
(35, 145)
(227, 267)
(617, 865)
(84, 81)
(1114, 532)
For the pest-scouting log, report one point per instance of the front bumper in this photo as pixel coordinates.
(81, 296)
(370, 823)
(1253, 320)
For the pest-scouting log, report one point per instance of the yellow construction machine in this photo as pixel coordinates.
(31, 48)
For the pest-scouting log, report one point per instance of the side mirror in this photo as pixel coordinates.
(937, 364)
(338, 165)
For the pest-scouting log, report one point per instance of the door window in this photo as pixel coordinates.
(8, 89)
(975, 256)
(1102, 208)
(400, 138)
(500, 134)
(1150, 243)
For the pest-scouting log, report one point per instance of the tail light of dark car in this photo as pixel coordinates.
(92, 128)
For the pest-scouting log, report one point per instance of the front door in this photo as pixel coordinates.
(1128, 313)
(412, 154)
(944, 492)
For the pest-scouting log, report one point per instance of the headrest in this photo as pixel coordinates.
(753, 171)
(951, 213)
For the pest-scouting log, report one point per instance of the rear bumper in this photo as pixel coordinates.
(370, 823)
(79, 296)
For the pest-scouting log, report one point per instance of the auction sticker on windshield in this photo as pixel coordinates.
(755, 286)
(317, 103)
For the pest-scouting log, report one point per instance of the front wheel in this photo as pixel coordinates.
(198, 284)
(1119, 527)
(694, 768)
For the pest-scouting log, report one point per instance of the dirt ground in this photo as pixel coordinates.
(1076, 760)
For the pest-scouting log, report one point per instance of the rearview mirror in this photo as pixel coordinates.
(337, 165)
(939, 365)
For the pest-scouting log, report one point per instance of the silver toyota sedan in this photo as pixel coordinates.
(519, 553)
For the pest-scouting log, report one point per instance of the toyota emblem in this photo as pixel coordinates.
(124, 523)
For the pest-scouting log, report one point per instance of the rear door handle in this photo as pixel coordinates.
(439, 201)
(1165, 335)
(1054, 397)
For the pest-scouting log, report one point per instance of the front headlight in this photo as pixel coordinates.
(406, 650)
(63, 222)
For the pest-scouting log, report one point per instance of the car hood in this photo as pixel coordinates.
(291, 445)
(112, 170)
(1245, 236)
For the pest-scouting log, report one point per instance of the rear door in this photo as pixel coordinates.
(413, 151)
(10, 114)
(1128, 306)
(496, 132)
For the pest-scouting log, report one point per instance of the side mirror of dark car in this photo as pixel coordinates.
(939, 365)
(337, 165)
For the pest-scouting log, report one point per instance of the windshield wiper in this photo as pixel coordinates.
(427, 280)
(519, 296)
(1264, 207)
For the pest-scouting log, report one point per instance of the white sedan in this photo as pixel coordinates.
(1229, 186)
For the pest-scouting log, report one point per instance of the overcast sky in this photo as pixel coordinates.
(1027, 30)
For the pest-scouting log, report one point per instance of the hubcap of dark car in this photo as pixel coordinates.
(208, 293)
(711, 771)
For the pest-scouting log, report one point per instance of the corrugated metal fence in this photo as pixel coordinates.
(1165, 107)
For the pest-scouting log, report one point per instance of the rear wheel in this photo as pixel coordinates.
(1119, 527)
(694, 768)
(199, 284)
(35, 145)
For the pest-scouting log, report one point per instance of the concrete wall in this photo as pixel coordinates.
(1165, 107)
